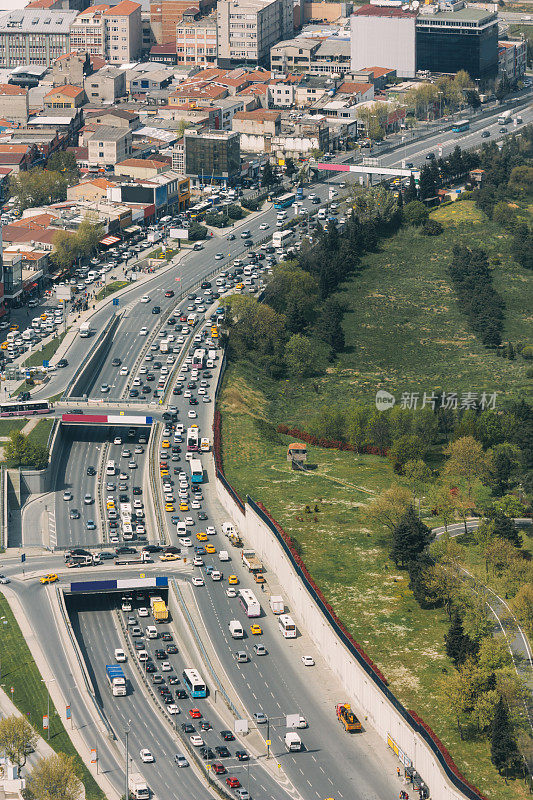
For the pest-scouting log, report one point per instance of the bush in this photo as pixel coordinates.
(527, 352)
(415, 213)
(197, 232)
(432, 228)
(251, 205)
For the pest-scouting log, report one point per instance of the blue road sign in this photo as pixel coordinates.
(23, 557)
(46, 363)
(115, 301)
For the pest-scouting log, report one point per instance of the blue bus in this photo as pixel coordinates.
(194, 683)
(462, 125)
(284, 201)
(197, 473)
(299, 193)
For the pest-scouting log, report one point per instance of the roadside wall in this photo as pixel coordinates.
(92, 363)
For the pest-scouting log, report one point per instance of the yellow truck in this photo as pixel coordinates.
(159, 609)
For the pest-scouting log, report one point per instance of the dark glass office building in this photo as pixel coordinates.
(448, 41)
(212, 155)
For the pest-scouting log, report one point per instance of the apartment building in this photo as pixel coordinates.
(114, 32)
(14, 103)
(107, 146)
(512, 58)
(66, 96)
(165, 15)
(247, 29)
(71, 68)
(197, 39)
(106, 85)
(34, 37)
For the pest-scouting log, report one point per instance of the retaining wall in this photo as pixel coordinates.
(90, 367)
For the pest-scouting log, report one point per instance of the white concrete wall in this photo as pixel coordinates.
(384, 42)
(366, 696)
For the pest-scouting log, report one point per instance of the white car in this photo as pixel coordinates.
(143, 332)
(146, 756)
(191, 414)
(4, 579)
(117, 440)
(231, 592)
(216, 575)
(124, 371)
(219, 256)
(210, 530)
(145, 298)
(197, 581)
(189, 521)
(195, 505)
(308, 661)
(173, 709)
(166, 666)
(186, 542)
(206, 399)
(143, 612)
(67, 495)
(196, 740)
(198, 561)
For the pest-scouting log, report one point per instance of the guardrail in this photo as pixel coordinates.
(154, 483)
(3, 507)
(100, 474)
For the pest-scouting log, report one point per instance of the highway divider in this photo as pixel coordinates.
(93, 360)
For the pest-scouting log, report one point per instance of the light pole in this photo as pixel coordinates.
(46, 682)
(126, 734)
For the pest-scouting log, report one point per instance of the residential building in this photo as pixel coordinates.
(141, 81)
(247, 29)
(282, 93)
(292, 138)
(65, 96)
(71, 68)
(313, 56)
(106, 85)
(164, 54)
(212, 155)
(197, 93)
(384, 35)
(196, 39)
(178, 156)
(14, 103)
(169, 189)
(18, 157)
(257, 122)
(512, 58)
(323, 11)
(140, 168)
(34, 37)
(166, 14)
(28, 75)
(114, 32)
(107, 146)
(94, 189)
(457, 37)
(116, 117)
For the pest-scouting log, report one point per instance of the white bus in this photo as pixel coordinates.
(198, 359)
(250, 603)
(192, 439)
(110, 468)
(194, 683)
(287, 626)
(282, 238)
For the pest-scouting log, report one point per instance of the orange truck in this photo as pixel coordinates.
(347, 718)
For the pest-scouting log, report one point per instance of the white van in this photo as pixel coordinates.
(181, 529)
(223, 555)
(235, 628)
(143, 655)
(110, 468)
(92, 275)
(228, 529)
(120, 655)
(36, 322)
(151, 632)
(322, 213)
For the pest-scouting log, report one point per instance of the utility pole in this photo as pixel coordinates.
(126, 734)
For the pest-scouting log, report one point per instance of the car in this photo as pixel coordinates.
(241, 755)
(67, 495)
(242, 794)
(256, 629)
(205, 725)
(210, 548)
(145, 298)
(260, 650)
(62, 363)
(50, 578)
(196, 740)
(430, 157)
(264, 226)
(146, 756)
(143, 612)
(196, 581)
(485, 134)
(231, 592)
(195, 713)
(233, 782)
(222, 751)
(218, 769)
(90, 525)
(169, 293)
(503, 130)
(180, 760)
(172, 708)
(219, 256)
(74, 513)
(186, 727)
(172, 650)
(181, 694)
(202, 516)
(166, 666)
(233, 580)
(308, 661)
(259, 717)
(91, 471)
(143, 331)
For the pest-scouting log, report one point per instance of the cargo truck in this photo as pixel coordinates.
(505, 118)
(159, 609)
(138, 787)
(163, 345)
(250, 560)
(117, 680)
(276, 603)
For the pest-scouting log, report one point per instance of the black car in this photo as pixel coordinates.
(157, 365)
(74, 513)
(146, 389)
(137, 490)
(176, 448)
(166, 636)
(222, 751)
(181, 694)
(241, 755)
(207, 753)
(167, 415)
(156, 310)
(91, 471)
(168, 699)
(150, 376)
(485, 134)
(430, 157)
(227, 736)
(62, 363)
(172, 650)
(160, 655)
(134, 393)
(409, 165)
(125, 550)
(138, 645)
(149, 667)
(202, 515)
(152, 548)
(205, 725)
(193, 401)
(173, 549)
(116, 362)
(186, 727)
(123, 498)
(206, 285)
(104, 556)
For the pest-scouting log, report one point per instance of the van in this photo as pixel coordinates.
(143, 655)
(223, 555)
(36, 322)
(151, 632)
(293, 743)
(181, 529)
(235, 628)
(110, 468)
(322, 213)
(92, 275)
(228, 529)
(120, 655)
(204, 445)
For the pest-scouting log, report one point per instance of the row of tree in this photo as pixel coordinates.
(479, 300)
(20, 452)
(82, 243)
(41, 186)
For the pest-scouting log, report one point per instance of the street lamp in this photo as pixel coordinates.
(126, 734)
(46, 682)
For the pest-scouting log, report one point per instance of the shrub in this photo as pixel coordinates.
(432, 228)
(415, 213)
(251, 205)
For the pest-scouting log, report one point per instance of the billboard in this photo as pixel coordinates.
(179, 233)
(63, 292)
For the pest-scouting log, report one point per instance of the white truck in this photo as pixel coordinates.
(228, 529)
(250, 560)
(138, 787)
(505, 118)
(154, 236)
(276, 603)
(235, 629)
(85, 330)
(293, 743)
(163, 345)
(116, 679)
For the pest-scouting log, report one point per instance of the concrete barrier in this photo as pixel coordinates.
(93, 361)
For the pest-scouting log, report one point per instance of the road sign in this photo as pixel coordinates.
(116, 301)
(23, 557)
(142, 575)
(46, 364)
(268, 742)
(69, 712)
(45, 722)
(208, 767)
(28, 373)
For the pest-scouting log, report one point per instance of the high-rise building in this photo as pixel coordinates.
(247, 29)
(114, 32)
(212, 155)
(37, 36)
(196, 39)
(166, 14)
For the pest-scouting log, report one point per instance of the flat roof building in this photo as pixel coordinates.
(247, 29)
(212, 155)
(38, 36)
(384, 35)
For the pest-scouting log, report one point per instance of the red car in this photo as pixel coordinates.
(195, 713)
(183, 318)
(233, 783)
(219, 769)
(169, 293)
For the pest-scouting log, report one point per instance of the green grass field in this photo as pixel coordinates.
(41, 432)
(111, 288)
(30, 694)
(44, 353)
(9, 425)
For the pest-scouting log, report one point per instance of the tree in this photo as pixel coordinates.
(290, 167)
(476, 623)
(467, 459)
(503, 87)
(37, 187)
(407, 448)
(54, 778)
(503, 750)
(409, 538)
(64, 161)
(504, 215)
(509, 505)
(493, 655)
(432, 228)
(415, 213)
(505, 528)
(459, 646)
(420, 581)
(473, 99)
(411, 192)
(521, 179)
(65, 251)
(19, 452)
(197, 232)
(88, 236)
(17, 739)
(523, 605)
(357, 425)
(301, 356)
(268, 178)
(427, 187)
(418, 474)
(389, 507)
(442, 502)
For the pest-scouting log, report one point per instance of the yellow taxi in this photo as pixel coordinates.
(202, 537)
(214, 333)
(258, 578)
(256, 630)
(110, 504)
(165, 443)
(183, 506)
(210, 548)
(169, 506)
(239, 286)
(165, 473)
(233, 580)
(194, 426)
(50, 578)
(169, 557)
(13, 326)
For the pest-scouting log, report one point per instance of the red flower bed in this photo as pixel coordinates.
(332, 444)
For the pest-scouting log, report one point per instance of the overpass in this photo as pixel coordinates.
(120, 418)
(365, 169)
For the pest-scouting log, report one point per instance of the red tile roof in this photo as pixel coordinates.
(122, 9)
(68, 90)
(10, 89)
